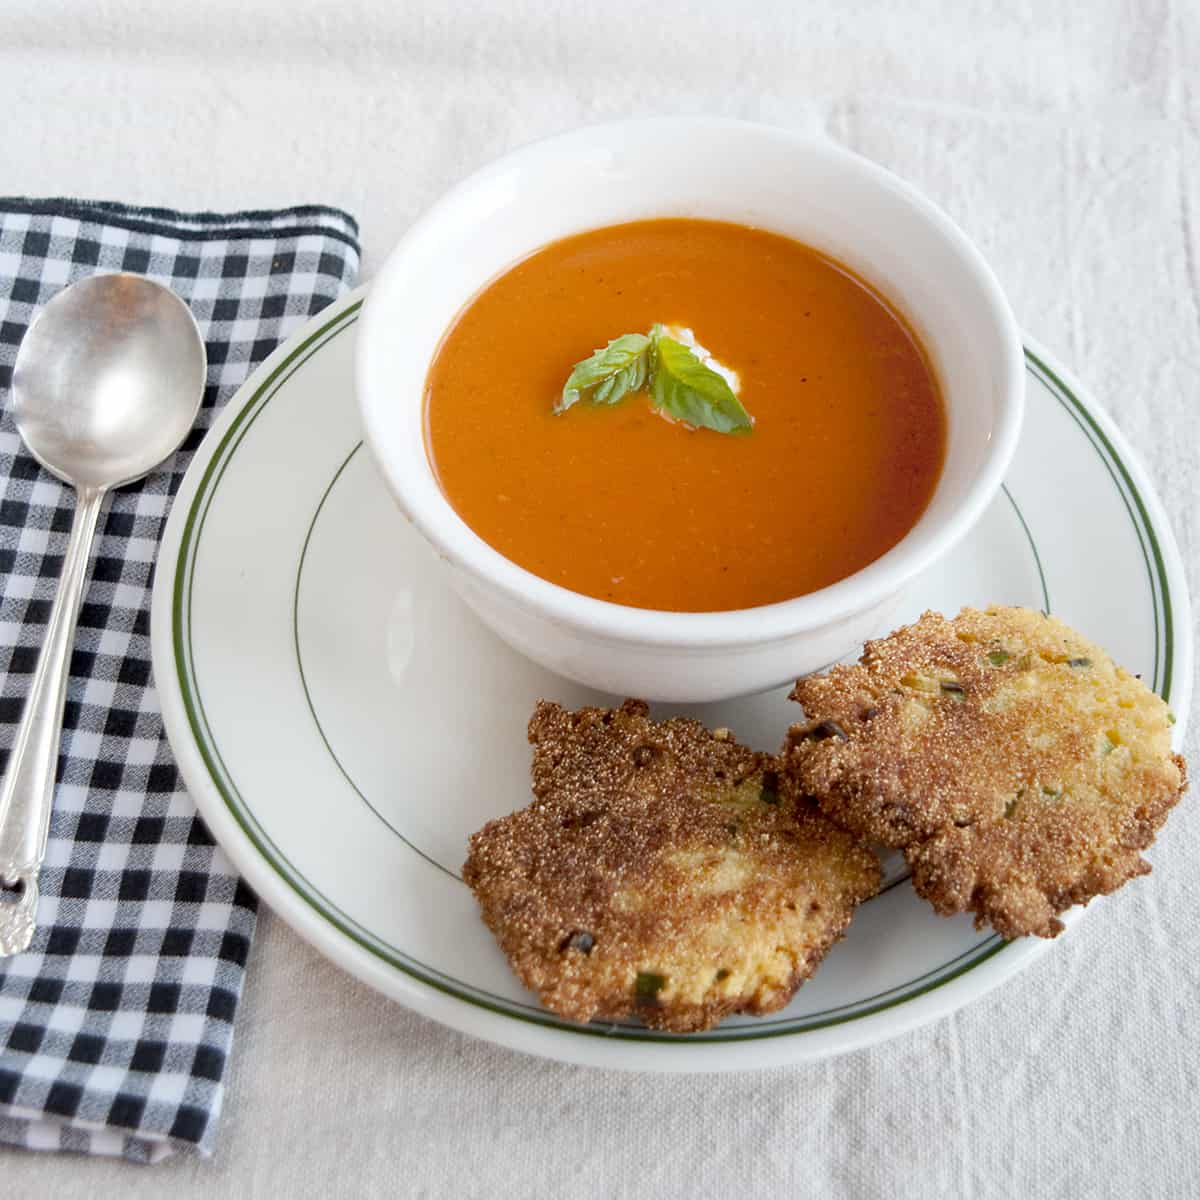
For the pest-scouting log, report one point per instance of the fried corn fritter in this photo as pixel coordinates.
(659, 873)
(1020, 770)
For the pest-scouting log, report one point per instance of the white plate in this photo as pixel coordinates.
(344, 723)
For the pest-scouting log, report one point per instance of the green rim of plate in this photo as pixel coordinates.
(431, 977)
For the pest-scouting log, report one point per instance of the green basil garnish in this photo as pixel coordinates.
(680, 384)
(684, 388)
(608, 375)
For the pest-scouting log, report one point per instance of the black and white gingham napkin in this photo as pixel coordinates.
(116, 1024)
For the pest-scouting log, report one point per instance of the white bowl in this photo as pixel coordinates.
(807, 188)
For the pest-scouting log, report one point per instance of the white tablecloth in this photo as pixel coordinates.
(1065, 138)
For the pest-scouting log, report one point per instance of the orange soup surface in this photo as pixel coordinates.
(617, 502)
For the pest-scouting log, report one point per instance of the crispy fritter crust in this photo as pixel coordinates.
(658, 873)
(1020, 769)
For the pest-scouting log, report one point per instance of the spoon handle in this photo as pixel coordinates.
(27, 791)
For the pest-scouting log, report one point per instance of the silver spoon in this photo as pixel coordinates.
(107, 383)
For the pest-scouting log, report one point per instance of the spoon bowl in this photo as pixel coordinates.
(108, 380)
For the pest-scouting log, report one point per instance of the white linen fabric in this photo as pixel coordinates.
(1065, 139)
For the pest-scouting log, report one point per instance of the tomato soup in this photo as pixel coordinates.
(615, 501)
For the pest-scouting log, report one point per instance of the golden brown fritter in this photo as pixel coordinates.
(658, 873)
(1020, 769)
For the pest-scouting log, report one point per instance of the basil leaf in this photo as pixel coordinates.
(687, 390)
(623, 366)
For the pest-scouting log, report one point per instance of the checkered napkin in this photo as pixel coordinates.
(116, 1024)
